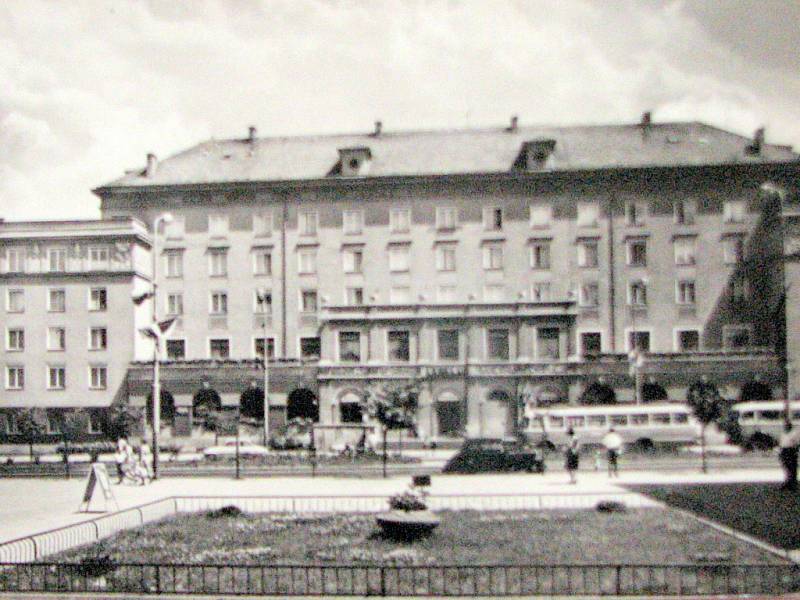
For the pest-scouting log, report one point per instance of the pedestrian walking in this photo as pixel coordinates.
(789, 441)
(572, 458)
(613, 443)
(120, 457)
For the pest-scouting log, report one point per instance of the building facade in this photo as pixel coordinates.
(499, 269)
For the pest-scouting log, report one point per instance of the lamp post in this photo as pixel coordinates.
(262, 297)
(635, 355)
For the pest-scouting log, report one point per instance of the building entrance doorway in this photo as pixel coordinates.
(450, 415)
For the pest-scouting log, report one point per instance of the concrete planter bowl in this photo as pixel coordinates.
(407, 526)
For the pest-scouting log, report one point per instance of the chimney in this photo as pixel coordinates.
(647, 119)
(251, 134)
(378, 128)
(754, 147)
(514, 123)
(152, 163)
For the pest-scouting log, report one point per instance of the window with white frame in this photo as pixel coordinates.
(353, 259)
(56, 300)
(98, 338)
(637, 253)
(57, 260)
(307, 261)
(98, 377)
(445, 257)
(176, 349)
(588, 214)
(637, 293)
(446, 294)
(735, 337)
(446, 217)
(447, 344)
(262, 302)
(733, 249)
(14, 260)
(588, 255)
(175, 303)
(400, 220)
(15, 339)
(98, 257)
(400, 295)
(308, 301)
(15, 301)
(633, 213)
(56, 377)
(589, 293)
(262, 261)
(540, 291)
(687, 340)
(734, 211)
(684, 248)
(307, 222)
(310, 348)
(739, 288)
(493, 256)
(547, 343)
(540, 254)
(685, 292)
(398, 346)
(352, 222)
(354, 296)
(494, 293)
(493, 218)
(219, 303)
(217, 262)
(497, 346)
(541, 215)
(684, 212)
(591, 343)
(15, 378)
(173, 260)
(399, 255)
(219, 348)
(262, 224)
(98, 299)
(349, 346)
(56, 339)
(217, 225)
(258, 347)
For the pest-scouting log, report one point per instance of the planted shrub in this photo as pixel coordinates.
(96, 566)
(611, 506)
(225, 512)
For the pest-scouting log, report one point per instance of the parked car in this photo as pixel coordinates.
(228, 450)
(495, 455)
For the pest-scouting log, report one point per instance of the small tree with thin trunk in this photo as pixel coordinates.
(393, 408)
(74, 423)
(122, 420)
(708, 406)
(32, 425)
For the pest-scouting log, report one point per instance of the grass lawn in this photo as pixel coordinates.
(648, 535)
(761, 510)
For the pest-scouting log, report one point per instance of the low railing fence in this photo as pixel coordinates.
(382, 580)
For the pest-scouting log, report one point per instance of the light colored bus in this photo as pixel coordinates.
(765, 417)
(643, 424)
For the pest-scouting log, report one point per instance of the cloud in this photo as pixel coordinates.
(89, 87)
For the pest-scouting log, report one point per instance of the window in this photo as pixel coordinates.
(540, 291)
(547, 343)
(308, 301)
(637, 253)
(15, 260)
(400, 220)
(685, 292)
(493, 218)
(56, 301)
(735, 337)
(310, 348)
(633, 214)
(98, 258)
(684, 212)
(740, 291)
(262, 261)
(494, 293)
(688, 340)
(175, 304)
(400, 295)
(541, 215)
(307, 261)
(262, 302)
(217, 225)
(15, 339)
(684, 248)
(446, 294)
(637, 293)
(493, 256)
(353, 260)
(639, 340)
(262, 224)
(56, 378)
(218, 262)
(446, 217)
(56, 338)
(98, 299)
(497, 344)
(352, 221)
(15, 301)
(219, 348)
(447, 344)
(15, 378)
(733, 211)
(350, 410)
(98, 377)
(57, 260)
(307, 222)
(398, 346)
(733, 249)
(349, 346)
(174, 263)
(445, 257)
(354, 296)
(176, 349)
(590, 294)
(591, 343)
(587, 254)
(399, 257)
(639, 419)
(588, 214)
(219, 303)
(98, 338)
(540, 254)
(258, 346)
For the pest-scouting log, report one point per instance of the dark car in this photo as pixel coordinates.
(495, 456)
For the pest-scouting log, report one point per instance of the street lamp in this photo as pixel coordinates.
(261, 297)
(635, 354)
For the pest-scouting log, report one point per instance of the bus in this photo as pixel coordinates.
(644, 425)
(765, 418)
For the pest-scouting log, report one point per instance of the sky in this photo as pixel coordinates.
(88, 88)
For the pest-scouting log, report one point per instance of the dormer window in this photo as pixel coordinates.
(535, 154)
(354, 161)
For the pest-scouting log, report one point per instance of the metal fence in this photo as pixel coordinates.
(381, 580)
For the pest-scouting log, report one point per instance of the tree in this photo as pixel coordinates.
(122, 420)
(32, 424)
(393, 408)
(708, 406)
(73, 423)
(597, 393)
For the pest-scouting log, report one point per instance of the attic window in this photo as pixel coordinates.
(354, 161)
(535, 154)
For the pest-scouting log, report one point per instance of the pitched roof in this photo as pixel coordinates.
(451, 152)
